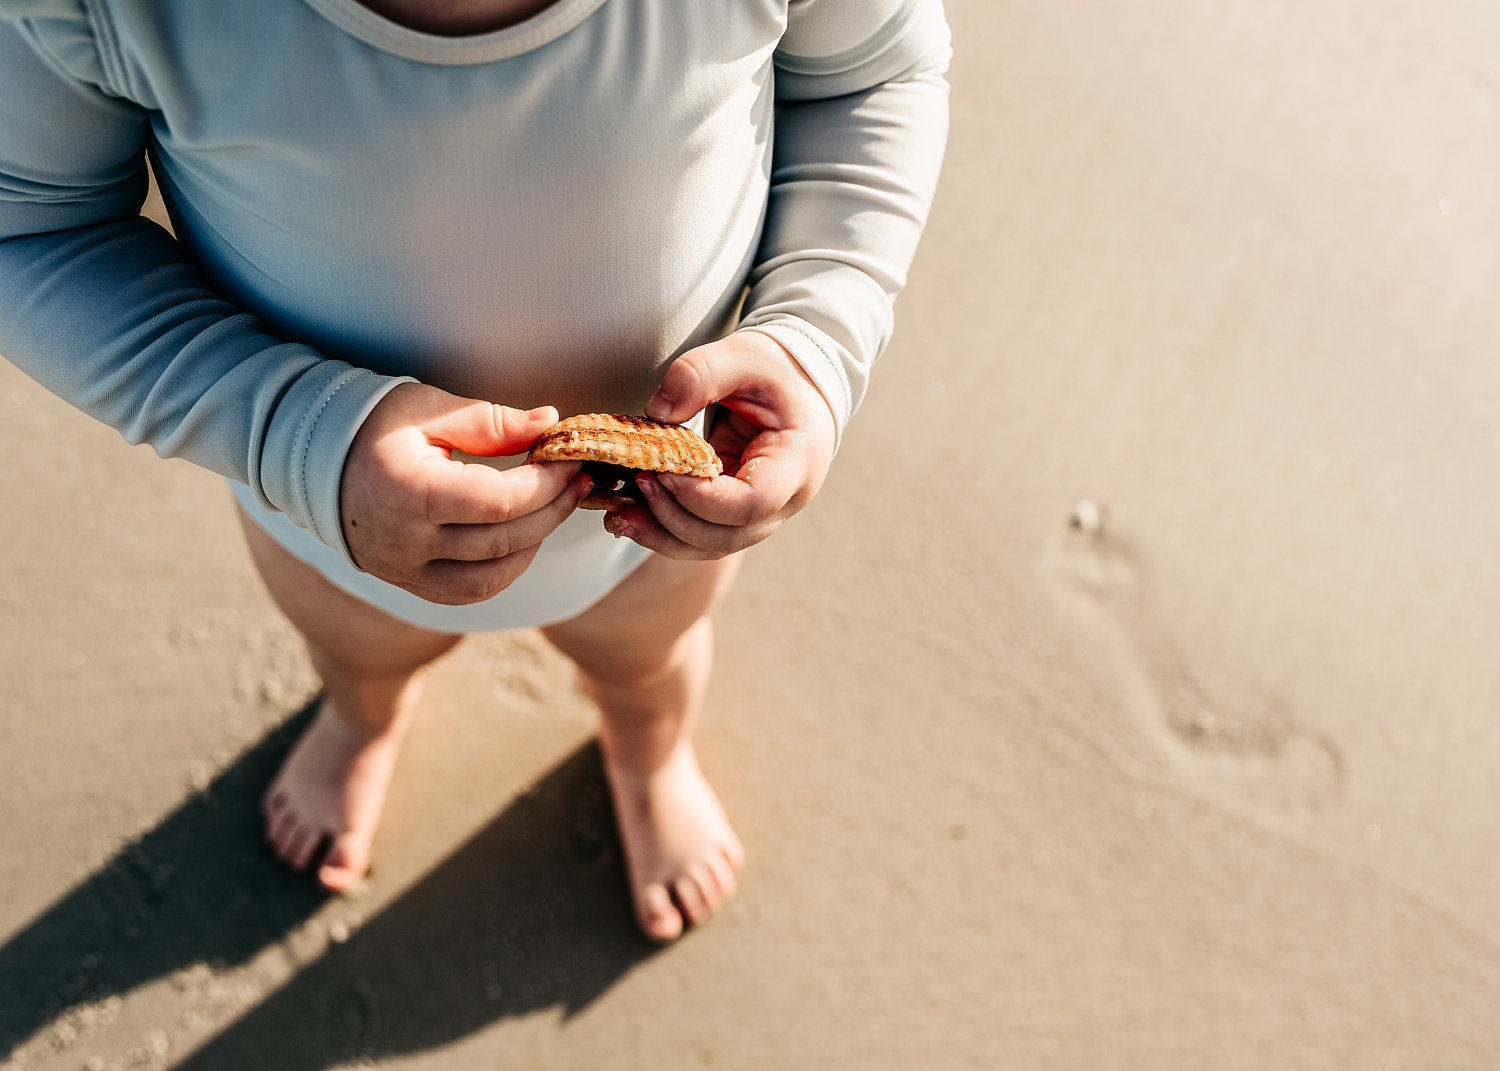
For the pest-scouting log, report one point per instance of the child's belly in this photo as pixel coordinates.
(552, 241)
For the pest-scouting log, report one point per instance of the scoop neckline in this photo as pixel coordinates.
(380, 32)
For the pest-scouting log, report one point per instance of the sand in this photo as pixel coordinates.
(1127, 699)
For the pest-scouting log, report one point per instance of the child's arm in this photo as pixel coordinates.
(861, 122)
(100, 306)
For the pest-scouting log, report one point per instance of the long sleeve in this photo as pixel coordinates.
(101, 307)
(862, 117)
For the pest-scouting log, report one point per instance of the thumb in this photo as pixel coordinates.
(484, 429)
(695, 381)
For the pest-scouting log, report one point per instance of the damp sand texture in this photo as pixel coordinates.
(1203, 775)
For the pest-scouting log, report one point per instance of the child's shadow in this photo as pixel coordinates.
(530, 913)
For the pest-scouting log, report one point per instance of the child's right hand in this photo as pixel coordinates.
(442, 529)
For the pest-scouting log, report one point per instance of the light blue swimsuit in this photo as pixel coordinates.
(547, 214)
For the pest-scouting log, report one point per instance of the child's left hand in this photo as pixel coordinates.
(775, 435)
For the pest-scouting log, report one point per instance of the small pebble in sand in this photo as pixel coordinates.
(1087, 518)
(94, 1063)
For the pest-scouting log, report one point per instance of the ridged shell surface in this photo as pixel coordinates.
(629, 441)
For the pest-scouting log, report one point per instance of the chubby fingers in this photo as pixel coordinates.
(696, 518)
(467, 563)
(479, 541)
(458, 583)
(470, 493)
(640, 525)
(746, 365)
(485, 429)
(771, 480)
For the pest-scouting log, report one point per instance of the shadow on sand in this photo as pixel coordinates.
(529, 914)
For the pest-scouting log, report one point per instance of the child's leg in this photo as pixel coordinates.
(331, 789)
(645, 653)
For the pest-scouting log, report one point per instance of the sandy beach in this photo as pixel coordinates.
(1129, 698)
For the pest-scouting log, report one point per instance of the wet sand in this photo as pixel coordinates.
(1127, 700)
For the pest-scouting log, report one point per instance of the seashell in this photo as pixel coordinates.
(614, 448)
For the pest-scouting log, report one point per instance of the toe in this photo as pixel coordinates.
(707, 880)
(346, 862)
(721, 873)
(279, 830)
(734, 852)
(309, 848)
(659, 918)
(284, 840)
(297, 848)
(692, 898)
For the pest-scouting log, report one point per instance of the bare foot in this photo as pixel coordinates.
(680, 853)
(325, 804)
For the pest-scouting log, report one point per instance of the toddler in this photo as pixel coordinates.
(408, 234)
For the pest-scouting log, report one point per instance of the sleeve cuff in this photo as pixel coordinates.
(302, 460)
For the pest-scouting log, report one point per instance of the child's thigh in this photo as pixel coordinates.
(357, 636)
(637, 625)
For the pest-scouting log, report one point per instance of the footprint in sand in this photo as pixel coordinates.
(1226, 737)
